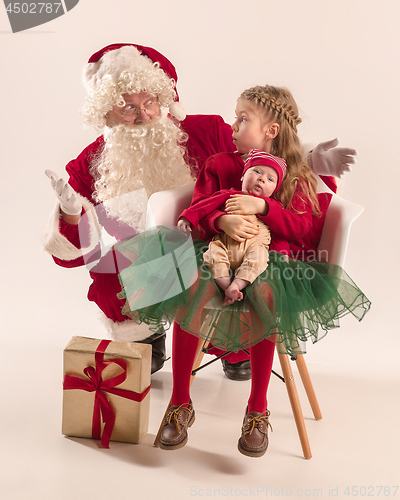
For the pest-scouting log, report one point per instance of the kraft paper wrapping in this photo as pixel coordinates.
(131, 417)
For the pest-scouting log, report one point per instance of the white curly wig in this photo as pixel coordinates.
(127, 69)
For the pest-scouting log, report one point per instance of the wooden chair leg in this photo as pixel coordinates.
(305, 377)
(295, 404)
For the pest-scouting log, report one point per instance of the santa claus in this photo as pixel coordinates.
(147, 145)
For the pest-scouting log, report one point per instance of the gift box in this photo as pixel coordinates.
(106, 390)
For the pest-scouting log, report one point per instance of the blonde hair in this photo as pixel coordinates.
(279, 106)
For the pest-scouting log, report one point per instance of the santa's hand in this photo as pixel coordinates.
(69, 202)
(328, 159)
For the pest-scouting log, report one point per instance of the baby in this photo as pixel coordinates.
(262, 176)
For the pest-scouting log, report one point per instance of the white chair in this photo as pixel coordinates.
(165, 207)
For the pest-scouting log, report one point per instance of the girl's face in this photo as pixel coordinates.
(251, 128)
(260, 180)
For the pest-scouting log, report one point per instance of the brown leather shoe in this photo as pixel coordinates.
(176, 422)
(254, 439)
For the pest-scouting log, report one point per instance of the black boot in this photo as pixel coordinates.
(237, 371)
(158, 357)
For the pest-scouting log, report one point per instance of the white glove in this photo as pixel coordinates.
(69, 201)
(328, 159)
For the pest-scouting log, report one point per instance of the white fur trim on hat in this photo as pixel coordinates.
(58, 245)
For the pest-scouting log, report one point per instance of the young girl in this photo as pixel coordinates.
(284, 299)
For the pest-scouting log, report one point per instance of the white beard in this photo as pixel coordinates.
(137, 161)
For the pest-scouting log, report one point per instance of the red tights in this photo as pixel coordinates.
(184, 346)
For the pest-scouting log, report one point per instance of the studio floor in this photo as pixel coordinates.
(355, 446)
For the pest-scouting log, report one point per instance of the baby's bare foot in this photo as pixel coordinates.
(232, 293)
(227, 301)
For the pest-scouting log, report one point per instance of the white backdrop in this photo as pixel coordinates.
(341, 61)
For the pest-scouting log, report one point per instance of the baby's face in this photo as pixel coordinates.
(260, 180)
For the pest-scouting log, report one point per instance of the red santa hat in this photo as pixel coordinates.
(258, 157)
(143, 64)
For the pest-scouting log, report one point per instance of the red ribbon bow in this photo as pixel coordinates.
(96, 384)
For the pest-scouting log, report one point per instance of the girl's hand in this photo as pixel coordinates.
(184, 225)
(243, 204)
(237, 227)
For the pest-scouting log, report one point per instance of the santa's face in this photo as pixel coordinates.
(138, 108)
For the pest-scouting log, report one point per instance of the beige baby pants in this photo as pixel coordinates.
(248, 258)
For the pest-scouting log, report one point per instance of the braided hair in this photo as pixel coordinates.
(279, 106)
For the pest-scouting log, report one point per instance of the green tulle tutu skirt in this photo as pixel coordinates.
(290, 302)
